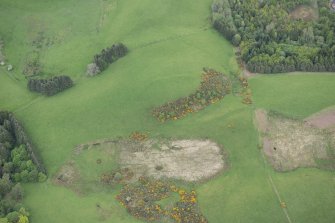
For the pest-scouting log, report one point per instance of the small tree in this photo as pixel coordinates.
(13, 217)
(92, 69)
(236, 40)
(5, 184)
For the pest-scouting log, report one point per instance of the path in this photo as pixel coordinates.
(275, 189)
(22, 107)
(262, 127)
(174, 37)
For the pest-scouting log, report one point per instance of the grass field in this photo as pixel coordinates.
(169, 42)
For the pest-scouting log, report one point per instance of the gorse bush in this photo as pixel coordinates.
(271, 40)
(141, 199)
(51, 85)
(106, 57)
(213, 87)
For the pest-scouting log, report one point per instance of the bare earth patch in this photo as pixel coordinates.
(289, 144)
(67, 175)
(186, 160)
(323, 120)
(189, 160)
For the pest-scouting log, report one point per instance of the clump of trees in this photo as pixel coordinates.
(106, 57)
(18, 163)
(50, 86)
(272, 42)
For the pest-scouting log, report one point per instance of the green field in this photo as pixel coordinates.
(169, 42)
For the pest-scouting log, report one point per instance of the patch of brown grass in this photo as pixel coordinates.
(304, 12)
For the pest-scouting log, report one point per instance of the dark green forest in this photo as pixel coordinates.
(18, 163)
(272, 39)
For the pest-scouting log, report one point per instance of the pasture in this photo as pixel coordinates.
(169, 43)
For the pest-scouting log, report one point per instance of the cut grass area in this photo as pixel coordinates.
(168, 49)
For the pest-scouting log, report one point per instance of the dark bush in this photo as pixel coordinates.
(51, 85)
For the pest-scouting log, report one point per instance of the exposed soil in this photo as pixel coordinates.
(248, 73)
(261, 120)
(323, 120)
(289, 144)
(67, 175)
(188, 160)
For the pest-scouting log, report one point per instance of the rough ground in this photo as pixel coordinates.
(67, 175)
(289, 144)
(189, 160)
(323, 120)
(304, 12)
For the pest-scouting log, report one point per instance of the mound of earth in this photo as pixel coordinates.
(188, 160)
(289, 144)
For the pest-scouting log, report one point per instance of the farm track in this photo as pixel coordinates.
(270, 179)
(276, 191)
(24, 106)
(170, 38)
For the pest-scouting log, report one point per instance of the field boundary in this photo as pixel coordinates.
(270, 179)
(174, 37)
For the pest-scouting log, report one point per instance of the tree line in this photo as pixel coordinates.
(18, 163)
(270, 41)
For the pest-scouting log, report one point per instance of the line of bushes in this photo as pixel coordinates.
(50, 86)
(106, 57)
(213, 87)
